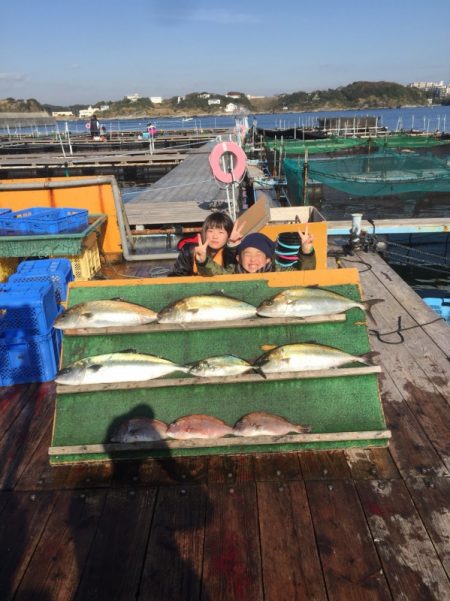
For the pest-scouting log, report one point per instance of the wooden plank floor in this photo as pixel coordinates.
(184, 193)
(328, 526)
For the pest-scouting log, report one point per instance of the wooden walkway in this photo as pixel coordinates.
(344, 525)
(187, 194)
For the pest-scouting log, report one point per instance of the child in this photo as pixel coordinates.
(255, 254)
(214, 244)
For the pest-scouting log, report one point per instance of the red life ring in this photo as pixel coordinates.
(239, 161)
(87, 125)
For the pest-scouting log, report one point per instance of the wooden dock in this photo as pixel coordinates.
(187, 194)
(366, 524)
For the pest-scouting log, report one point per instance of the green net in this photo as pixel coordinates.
(342, 144)
(326, 145)
(378, 174)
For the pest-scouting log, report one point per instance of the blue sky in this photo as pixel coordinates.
(62, 52)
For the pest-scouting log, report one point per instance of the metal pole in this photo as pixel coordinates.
(305, 179)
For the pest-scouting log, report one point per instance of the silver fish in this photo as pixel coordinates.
(103, 314)
(223, 365)
(198, 426)
(124, 366)
(303, 357)
(206, 308)
(140, 429)
(260, 423)
(306, 302)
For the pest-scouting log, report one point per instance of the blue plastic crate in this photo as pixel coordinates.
(18, 222)
(56, 221)
(57, 271)
(27, 308)
(30, 359)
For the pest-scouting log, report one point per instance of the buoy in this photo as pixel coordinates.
(239, 162)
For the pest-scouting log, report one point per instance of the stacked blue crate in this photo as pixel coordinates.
(57, 271)
(43, 220)
(29, 345)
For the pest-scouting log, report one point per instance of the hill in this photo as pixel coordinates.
(357, 95)
(360, 95)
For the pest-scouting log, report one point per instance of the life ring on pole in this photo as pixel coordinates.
(239, 162)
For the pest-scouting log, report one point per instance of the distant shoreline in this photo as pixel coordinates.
(154, 115)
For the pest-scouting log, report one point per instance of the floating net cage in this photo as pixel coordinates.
(377, 174)
(342, 144)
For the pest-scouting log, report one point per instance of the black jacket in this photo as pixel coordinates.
(184, 265)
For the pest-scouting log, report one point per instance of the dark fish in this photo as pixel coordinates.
(140, 429)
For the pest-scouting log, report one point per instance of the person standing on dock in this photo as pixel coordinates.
(94, 127)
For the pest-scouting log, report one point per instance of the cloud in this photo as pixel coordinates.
(211, 17)
(12, 77)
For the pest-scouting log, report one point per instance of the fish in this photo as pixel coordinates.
(206, 307)
(222, 365)
(306, 302)
(198, 425)
(140, 429)
(305, 356)
(260, 423)
(123, 366)
(103, 314)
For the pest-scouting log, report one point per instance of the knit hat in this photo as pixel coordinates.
(259, 241)
(287, 249)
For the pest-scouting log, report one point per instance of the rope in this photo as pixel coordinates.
(415, 250)
(399, 330)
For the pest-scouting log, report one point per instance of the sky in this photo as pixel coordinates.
(82, 52)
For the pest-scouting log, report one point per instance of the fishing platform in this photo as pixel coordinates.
(274, 526)
(273, 523)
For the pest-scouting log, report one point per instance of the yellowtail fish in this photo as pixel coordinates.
(259, 423)
(140, 429)
(104, 314)
(223, 365)
(206, 308)
(198, 426)
(124, 366)
(306, 302)
(305, 356)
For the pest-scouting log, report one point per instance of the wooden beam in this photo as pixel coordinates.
(191, 381)
(231, 441)
(171, 327)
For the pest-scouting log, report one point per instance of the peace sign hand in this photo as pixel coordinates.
(200, 249)
(307, 241)
(236, 233)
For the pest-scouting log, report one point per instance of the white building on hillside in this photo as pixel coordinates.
(85, 113)
(156, 99)
(134, 97)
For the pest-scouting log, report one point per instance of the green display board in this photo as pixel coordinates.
(334, 404)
